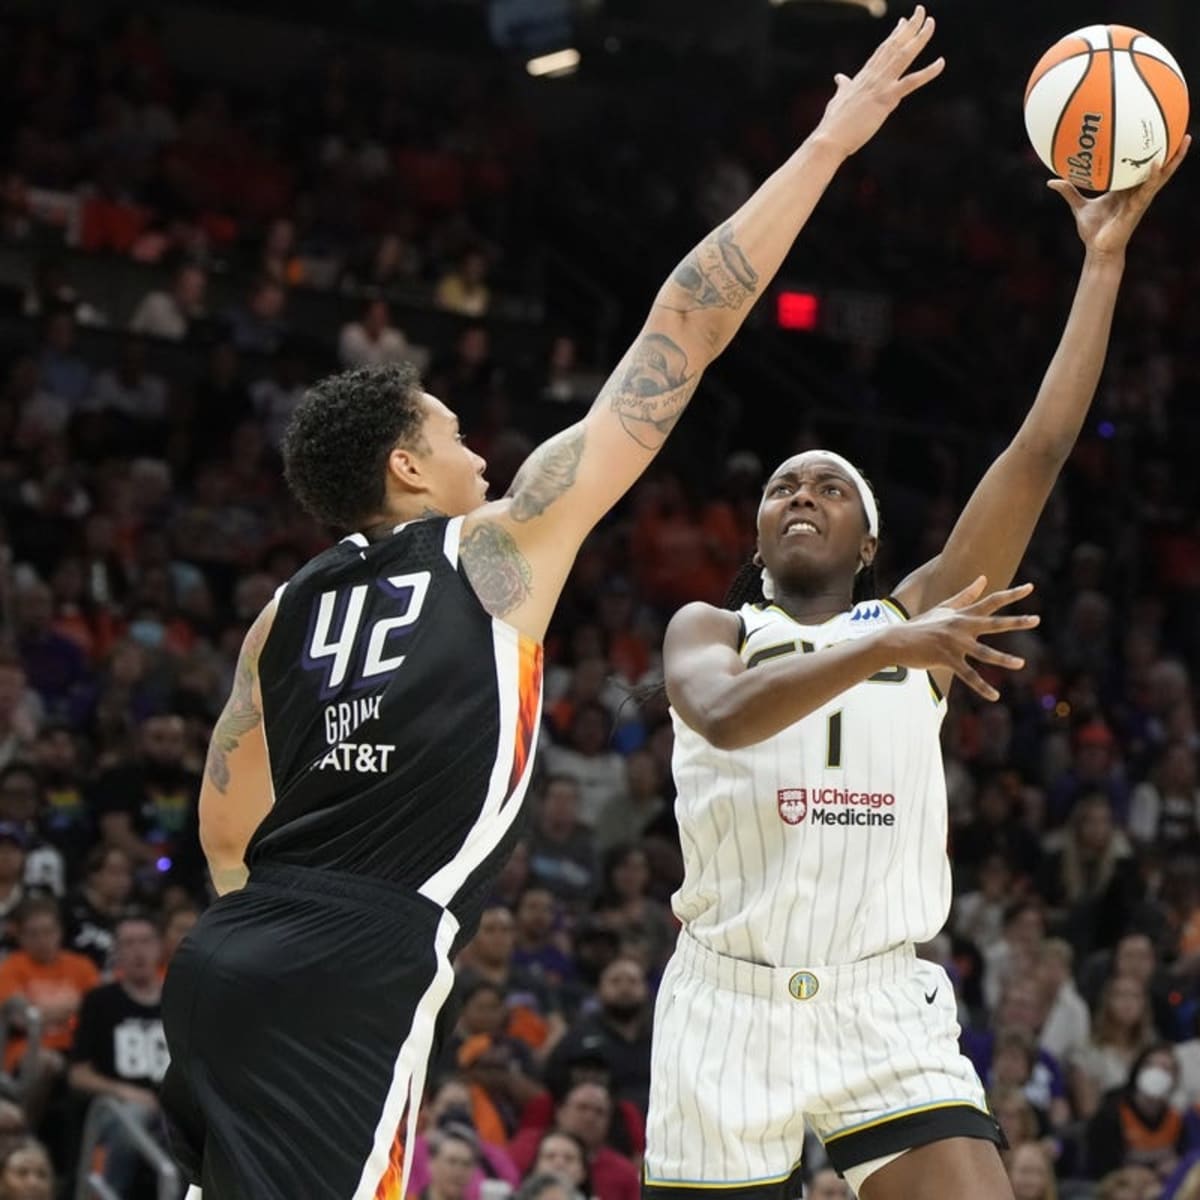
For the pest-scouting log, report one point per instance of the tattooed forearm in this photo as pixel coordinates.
(716, 274)
(651, 389)
(498, 571)
(241, 713)
(548, 472)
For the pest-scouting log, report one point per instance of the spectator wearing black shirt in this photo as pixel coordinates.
(148, 808)
(619, 1034)
(65, 821)
(95, 909)
(562, 852)
(20, 803)
(12, 880)
(120, 1049)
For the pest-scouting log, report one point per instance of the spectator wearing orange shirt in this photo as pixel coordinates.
(52, 980)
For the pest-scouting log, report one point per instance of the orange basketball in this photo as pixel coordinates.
(1104, 105)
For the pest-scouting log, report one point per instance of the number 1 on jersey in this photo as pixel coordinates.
(833, 742)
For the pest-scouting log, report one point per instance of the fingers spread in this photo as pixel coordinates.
(976, 682)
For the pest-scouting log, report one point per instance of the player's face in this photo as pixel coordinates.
(811, 523)
(455, 472)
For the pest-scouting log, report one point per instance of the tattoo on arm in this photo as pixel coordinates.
(548, 472)
(498, 571)
(716, 274)
(650, 389)
(241, 713)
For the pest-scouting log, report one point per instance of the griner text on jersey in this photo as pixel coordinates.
(341, 721)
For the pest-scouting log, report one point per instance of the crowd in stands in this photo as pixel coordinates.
(144, 523)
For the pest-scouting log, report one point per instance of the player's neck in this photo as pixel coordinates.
(813, 608)
(382, 527)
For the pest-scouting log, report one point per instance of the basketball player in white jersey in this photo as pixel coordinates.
(812, 812)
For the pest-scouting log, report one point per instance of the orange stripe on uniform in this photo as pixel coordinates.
(529, 693)
(393, 1178)
(1083, 141)
(1069, 47)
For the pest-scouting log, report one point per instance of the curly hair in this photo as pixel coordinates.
(338, 440)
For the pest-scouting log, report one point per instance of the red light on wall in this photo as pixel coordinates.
(797, 310)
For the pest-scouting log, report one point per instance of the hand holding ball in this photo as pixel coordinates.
(1104, 105)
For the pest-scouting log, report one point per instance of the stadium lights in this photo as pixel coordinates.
(877, 8)
(552, 66)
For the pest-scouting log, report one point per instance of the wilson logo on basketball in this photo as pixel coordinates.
(835, 806)
(1081, 166)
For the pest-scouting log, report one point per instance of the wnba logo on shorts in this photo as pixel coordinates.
(793, 804)
(804, 985)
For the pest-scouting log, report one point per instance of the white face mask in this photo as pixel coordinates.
(1155, 1082)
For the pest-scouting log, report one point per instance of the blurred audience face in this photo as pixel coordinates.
(12, 688)
(560, 1155)
(12, 862)
(1094, 825)
(825, 1185)
(19, 796)
(14, 1127)
(589, 730)
(190, 286)
(631, 875)
(40, 936)
(1020, 1007)
(376, 318)
(1134, 958)
(535, 914)
(560, 807)
(1029, 1172)
(452, 1101)
(622, 991)
(112, 881)
(179, 924)
(35, 609)
(27, 1174)
(164, 740)
(493, 943)
(1125, 1002)
(450, 1167)
(484, 1012)
(641, 775)
(138, 952)
(1016, 1116)
(586, 1112)
(1130, 1183)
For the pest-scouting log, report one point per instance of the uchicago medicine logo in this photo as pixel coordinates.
(835, 806)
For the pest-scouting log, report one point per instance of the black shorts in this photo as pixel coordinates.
(301, 1014)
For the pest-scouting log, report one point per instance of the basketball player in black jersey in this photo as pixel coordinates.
(368, 770)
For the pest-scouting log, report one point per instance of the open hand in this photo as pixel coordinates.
(862, 104)
(945, 637)
(1107, 222)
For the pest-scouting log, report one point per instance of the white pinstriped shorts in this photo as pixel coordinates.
(744, 1056)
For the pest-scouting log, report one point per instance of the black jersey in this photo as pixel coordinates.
(400, 719)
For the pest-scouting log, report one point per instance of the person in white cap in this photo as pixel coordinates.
(812, 813)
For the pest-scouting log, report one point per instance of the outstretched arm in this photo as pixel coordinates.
(994, 529)
(517, 551)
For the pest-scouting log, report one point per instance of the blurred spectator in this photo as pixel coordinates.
(640, 809)
(618, 1034)
(562, 856)
(588, 759)
(129, 390)
(52, 980)
(275, 398)
(997, 828)
(61, 370)
(1165, 809)
(450, 1108)
(13, 1126)
(120, 1049)
(464, 290)
(177, 924)
(26, 1172)
(453, 1157)
(172, 314)
(94, 911)
(1135, 1183)
(257, 326)
(1122, 1029)
(1067, 1027)
(1031, 1173)
(21, 817)
(18, 726)
(148, 807)
(979, 915)
(544, 1186)
(1136, 1123)
(372, 339)
(1094, 768)
(12, 879)
(54, 665)
(626, 905)
(1014, 956)
(564, 1156)
(585, 1112)
(539, 944)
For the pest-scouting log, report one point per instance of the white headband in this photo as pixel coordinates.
(865, 494)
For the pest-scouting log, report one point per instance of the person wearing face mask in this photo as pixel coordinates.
(1137, 1123)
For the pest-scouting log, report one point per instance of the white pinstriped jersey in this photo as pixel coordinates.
(827, 842)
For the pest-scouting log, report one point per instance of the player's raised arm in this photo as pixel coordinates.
(236, 792)
(518, 551)
(994, 529)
